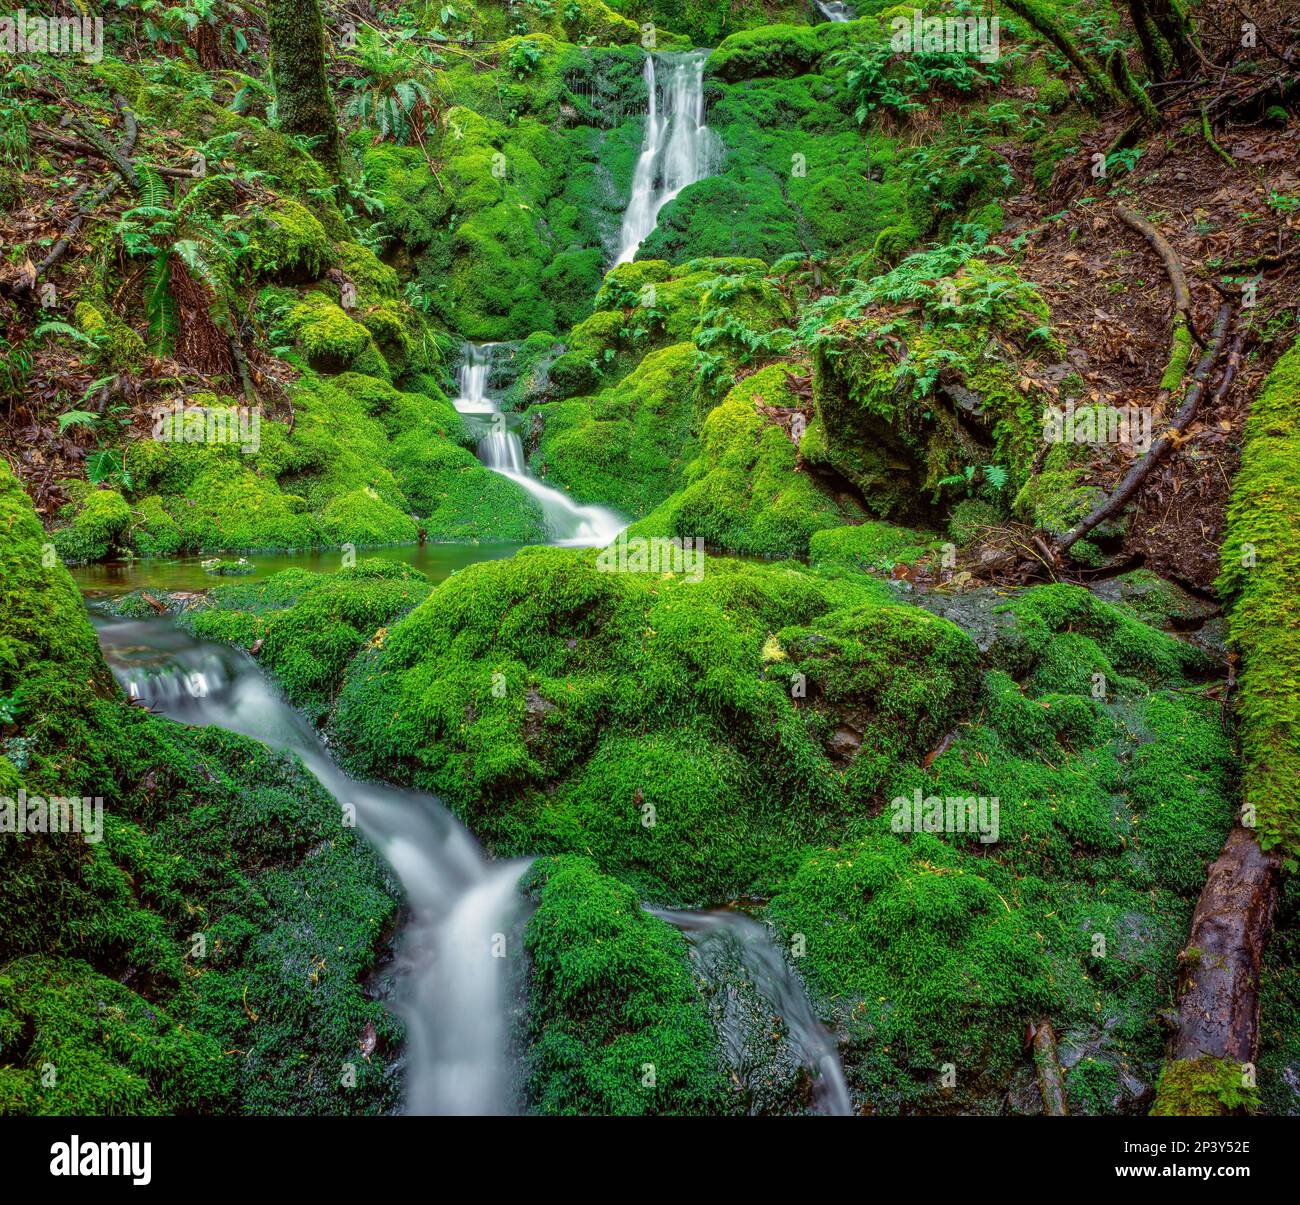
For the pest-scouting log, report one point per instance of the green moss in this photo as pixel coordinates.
(330, 339)
(289, 243)
(617, 1027)
(947, 961)
(309, 644)
(1180, 353)
(96, 527)
(118, 346)
(1261, 557)
(744, 492)
(489, 710)
(1204, 1087)
(1066, 634)
(781, 49)
(459, 499)
(889, 426)
(363, 517)
(868, 545)
(971, 519)
(113, 1053)
(625, 448)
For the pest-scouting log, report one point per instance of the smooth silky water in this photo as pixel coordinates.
(457, 997)
(455, 994)
(677, 149)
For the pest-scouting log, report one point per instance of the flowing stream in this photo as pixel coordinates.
(502, 451)
(454, 992)
(678, 148)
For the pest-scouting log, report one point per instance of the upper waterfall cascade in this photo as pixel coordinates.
(678, 148)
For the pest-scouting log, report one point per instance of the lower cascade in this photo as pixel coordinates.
(726, 944)
(678, 148)
(454, 992)
(502, 451)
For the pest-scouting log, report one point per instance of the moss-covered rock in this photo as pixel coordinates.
(626, 447)
(744, 492)
(618, 1028)
(96, 528)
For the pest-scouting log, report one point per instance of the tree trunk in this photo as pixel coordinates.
(1155, 52)
(303, 102)
(1176, 29)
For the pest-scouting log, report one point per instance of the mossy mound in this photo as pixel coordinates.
(627, 447)
(523, 724)
(744, 491)
(310, 624)
(618, 1028)
(868, 546)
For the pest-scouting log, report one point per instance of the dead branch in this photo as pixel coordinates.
(1129, 483)
(1173, 265)
(1051, 1083)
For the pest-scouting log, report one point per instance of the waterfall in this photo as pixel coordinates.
(678, 148)
(835, 10)
(502, 451)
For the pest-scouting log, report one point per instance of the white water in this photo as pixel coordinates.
(455, 992)
(834, 10)
(502, 451)
(678, 148)
(454, 989)
(775, 983)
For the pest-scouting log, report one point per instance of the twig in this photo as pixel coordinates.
(1182, 420)
(1214, 146)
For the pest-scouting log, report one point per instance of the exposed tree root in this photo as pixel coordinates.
(1128, 485)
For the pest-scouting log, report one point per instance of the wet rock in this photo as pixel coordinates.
(975, 612)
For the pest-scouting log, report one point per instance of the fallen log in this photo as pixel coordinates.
(1051, 1082)
(1211, 1058)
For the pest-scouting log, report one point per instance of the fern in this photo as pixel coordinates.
(160, 305)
